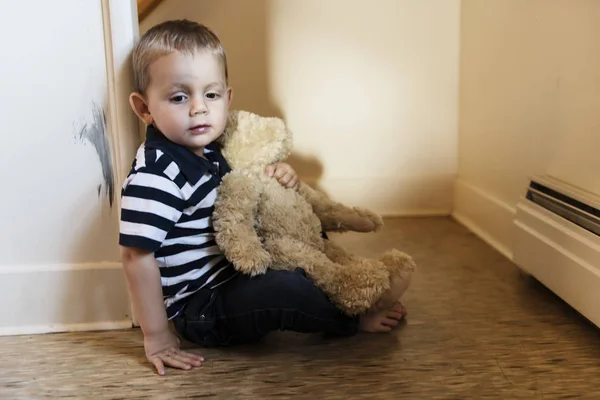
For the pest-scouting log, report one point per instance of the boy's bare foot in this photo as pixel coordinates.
(382, 321)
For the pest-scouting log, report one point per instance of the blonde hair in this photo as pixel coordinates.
(169, 36)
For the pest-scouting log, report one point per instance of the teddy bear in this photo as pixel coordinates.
(260, 224)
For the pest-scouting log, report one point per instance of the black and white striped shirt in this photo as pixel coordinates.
(167, 204)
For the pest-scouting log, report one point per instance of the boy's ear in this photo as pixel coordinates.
(140, 108)
(229, 96)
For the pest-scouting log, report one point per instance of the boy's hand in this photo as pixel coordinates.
(163, 349)
(285, 174)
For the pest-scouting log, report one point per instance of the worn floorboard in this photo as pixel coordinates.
(476, 329)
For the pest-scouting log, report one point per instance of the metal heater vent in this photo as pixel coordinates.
(579, 213)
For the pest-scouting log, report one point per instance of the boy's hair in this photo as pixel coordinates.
(169, 36)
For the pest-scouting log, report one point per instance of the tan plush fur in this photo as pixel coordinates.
(260, 224)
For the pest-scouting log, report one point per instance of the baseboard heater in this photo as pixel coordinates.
(557, 241)
(579, 213)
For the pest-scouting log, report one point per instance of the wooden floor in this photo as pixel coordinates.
(476, 329)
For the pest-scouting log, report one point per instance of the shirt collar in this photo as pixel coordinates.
(190, 164)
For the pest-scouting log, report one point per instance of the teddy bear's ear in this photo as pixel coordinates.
(252, 140)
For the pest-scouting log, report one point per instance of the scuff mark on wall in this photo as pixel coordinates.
(95, 133)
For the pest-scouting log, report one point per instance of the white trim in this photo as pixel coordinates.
(483, 235)
(485, 215)
(121, 31)
(59, 328)
(486, 196)
(27, 269)
(63, 297)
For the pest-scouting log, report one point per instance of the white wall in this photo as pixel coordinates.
(530, 73)
(60, 262)
(370, 91)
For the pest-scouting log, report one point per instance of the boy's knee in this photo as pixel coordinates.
(296, 287)
(292, 279)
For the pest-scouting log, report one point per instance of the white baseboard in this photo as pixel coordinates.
(561, 255)
(485, 215)
(392, 196)
(62, 298)
(416, 213)
(59, 328)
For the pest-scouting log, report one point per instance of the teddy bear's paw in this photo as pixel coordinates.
(253, 262)
(356, 302)
(362, 286)
(398, 261)
(366, 221)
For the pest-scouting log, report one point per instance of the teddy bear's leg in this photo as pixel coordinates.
(337, 217)
(401, 267)
(353, 287)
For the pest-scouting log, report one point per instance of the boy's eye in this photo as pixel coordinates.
(178, 99)
(212, 95)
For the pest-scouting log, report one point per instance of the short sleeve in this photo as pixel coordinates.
(151, 204)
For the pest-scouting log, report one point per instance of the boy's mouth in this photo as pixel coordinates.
(202, 128)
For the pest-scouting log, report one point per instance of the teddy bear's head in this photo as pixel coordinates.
(251, 140)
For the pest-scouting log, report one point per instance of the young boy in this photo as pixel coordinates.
(174, 269)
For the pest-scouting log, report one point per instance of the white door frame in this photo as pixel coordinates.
(121, 31)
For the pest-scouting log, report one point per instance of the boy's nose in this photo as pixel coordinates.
(198, 107)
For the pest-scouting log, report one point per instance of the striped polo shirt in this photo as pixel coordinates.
(167, 204)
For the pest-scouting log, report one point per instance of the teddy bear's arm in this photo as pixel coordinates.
(233, 220)
(337, 217)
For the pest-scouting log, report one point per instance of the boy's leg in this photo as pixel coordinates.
(245, 309)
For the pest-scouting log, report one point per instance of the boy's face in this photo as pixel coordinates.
(187, 99)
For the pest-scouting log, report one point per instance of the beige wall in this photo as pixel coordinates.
(529, 101)
(371, 92)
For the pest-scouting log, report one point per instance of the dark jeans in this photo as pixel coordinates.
(245, 309)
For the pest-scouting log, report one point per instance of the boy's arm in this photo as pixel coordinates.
(143, 280)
